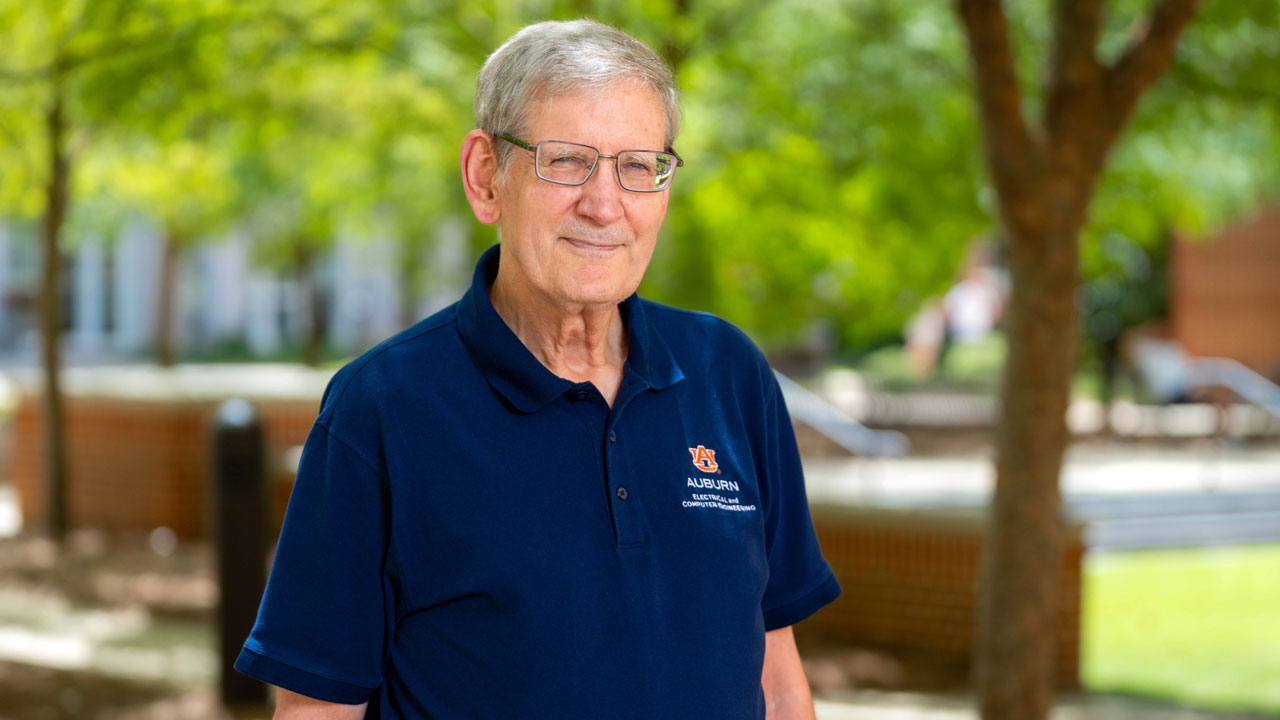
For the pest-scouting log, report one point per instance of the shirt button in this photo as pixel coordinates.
(622, 493)
(613, 436)
(582, 394)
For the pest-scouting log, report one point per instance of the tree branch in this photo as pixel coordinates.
(1074, 71)
(1149, 54)
(1011, 149)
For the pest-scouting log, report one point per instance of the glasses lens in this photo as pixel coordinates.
(566, 163)
(646, 170)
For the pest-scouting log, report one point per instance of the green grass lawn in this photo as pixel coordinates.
(1199, 627)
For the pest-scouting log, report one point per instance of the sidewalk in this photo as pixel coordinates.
(1124, 496)
(1089, 468)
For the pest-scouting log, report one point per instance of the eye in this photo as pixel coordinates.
(567, 161)
(637, 164)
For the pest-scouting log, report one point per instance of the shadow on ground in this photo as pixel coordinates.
(29, 692)
(110, 627)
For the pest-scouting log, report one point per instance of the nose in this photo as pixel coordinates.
(602, 196)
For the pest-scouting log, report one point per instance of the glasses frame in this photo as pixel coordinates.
(617, 172)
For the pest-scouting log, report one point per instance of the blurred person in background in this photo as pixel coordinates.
(973, 305)
(552, 499)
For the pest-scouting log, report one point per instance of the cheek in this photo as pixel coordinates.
(662, 209)
(646, 217)
(537, 208)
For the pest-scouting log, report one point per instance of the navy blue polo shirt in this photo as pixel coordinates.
(471, 536)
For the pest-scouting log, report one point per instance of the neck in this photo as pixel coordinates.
(578, 342)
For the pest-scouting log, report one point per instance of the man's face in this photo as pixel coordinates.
(586, 244)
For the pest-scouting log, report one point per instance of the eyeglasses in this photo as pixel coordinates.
(566, 163)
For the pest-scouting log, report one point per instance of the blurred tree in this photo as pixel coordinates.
(67, 71)
(302, 174)
(184, 185)
(1044, 173)
(332, 146)
(158, 76)
(804, 196)
(412, 175)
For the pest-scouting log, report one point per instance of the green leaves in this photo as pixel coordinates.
(834, 170)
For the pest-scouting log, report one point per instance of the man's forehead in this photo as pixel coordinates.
(629, 109)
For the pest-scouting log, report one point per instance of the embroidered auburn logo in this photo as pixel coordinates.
(704, 459)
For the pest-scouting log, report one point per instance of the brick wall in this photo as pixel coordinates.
(1223, 295)
(910, 583)
(137, 465)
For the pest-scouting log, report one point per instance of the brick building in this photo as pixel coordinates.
(1224, 293)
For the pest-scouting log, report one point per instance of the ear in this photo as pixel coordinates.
(480, 175)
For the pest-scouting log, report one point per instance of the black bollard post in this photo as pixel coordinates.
(240, 501)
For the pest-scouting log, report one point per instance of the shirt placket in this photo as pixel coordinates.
(624, 498)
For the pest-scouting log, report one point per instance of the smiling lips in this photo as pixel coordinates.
(591, 245)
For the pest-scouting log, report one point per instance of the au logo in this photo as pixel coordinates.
(704, 459)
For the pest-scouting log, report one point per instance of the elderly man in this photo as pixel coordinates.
(552, 499)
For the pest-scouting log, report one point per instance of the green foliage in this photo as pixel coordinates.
(834, 172)
(1127, 287)
(1202, 148)
(817, 187)
(1195, 159)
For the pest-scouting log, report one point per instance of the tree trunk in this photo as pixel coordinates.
(51, 279)
(1044, 175)
(1021, 563)
(167, 301)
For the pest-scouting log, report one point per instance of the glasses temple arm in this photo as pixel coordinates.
(520, 143)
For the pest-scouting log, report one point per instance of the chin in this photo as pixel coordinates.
(596, 297)
(605, 290)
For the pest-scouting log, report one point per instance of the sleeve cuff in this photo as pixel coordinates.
(801, 608)
(300, 681)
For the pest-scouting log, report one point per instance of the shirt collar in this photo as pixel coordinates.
(520, 377)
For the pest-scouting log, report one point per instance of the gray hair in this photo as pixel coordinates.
(562, 58)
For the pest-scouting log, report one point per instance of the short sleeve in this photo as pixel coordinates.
(322, 626)
(800, 580)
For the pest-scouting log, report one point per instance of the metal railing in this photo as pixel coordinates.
(817, 413)
(1231, 374)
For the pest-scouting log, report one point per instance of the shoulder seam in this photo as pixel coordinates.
(350, 446)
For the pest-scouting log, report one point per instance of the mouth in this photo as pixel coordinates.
(592, 246)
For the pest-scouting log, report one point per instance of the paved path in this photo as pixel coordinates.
(1128, 496)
